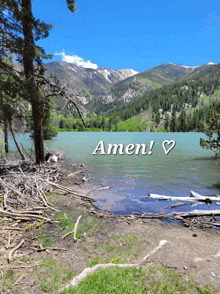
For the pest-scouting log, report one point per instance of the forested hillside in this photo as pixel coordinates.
(182, 105)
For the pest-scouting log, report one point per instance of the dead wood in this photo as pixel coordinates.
(18, 280)
(20, 266)
(198, 213)
(9, 228)
(74, 231)
(83, 196)
(16, 142)
(178, 204)
(12, 251)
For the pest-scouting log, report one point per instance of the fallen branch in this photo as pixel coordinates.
(5, 199)
(104, 188)
(9, 228)
(12, 251)
(71, 192)
(21, 266)
(178, 204)
(88, 271)
(18, 280)
(198, 213)
(74, 231)
(193, 197)
(9, 240)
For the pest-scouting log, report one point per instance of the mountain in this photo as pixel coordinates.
(114, 76)
(137, 85)
(193, 88)
(87, 83)
(100, 90)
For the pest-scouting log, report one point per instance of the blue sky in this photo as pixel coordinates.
(137, 34)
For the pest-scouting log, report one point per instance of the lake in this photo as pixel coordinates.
(186, 167)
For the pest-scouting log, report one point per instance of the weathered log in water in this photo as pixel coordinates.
(178, 204)
(198, 213)
(192, 198)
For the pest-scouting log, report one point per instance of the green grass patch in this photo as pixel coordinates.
(132, 125)
(47, 241)
(88, 224)
(52, 275)
(66, 223)
(149, 279)
(52, 197)
(124, 248)
(8, 280)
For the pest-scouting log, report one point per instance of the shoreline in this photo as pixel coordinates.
(189, 251)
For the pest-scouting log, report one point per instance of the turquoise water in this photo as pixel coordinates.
(187, 167)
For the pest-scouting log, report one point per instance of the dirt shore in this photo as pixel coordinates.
(194, 254)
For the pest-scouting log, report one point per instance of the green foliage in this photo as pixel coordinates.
(19, 33)
(157, 118)
(49, 127)
(50, 130)
(71, 5)
(174, 122)
(132, 125)
(47, 241)
(8, 280)
(2, 151)
(182, 94)
(212, 131)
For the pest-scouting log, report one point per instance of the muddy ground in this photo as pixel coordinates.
(194, 254)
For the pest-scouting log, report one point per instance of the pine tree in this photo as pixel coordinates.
(23, 30)
(173, 123)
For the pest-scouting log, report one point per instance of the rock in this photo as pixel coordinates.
(53, 156)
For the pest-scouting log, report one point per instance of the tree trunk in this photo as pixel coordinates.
(6, 134)
(33, 92)
(16, 142)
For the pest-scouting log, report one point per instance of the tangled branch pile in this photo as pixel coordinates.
(24, 184)
(23, 187)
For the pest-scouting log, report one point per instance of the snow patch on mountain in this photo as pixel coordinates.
(105, 73)
(128, 72)
(73, 69)
(188, 66)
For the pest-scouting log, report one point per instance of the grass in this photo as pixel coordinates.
(52, 275)
(47, 241)
(149, 279)
(88, 224)
(8, 280)
(52, 196)
(119, 249)
(66, 224)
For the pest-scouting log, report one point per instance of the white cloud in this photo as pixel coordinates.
(77, 60)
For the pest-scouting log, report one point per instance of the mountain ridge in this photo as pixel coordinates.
(95, 86)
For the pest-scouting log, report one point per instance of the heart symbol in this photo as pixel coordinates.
(171, 147)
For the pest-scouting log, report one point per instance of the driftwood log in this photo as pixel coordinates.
(197, 212)
(193, 198)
